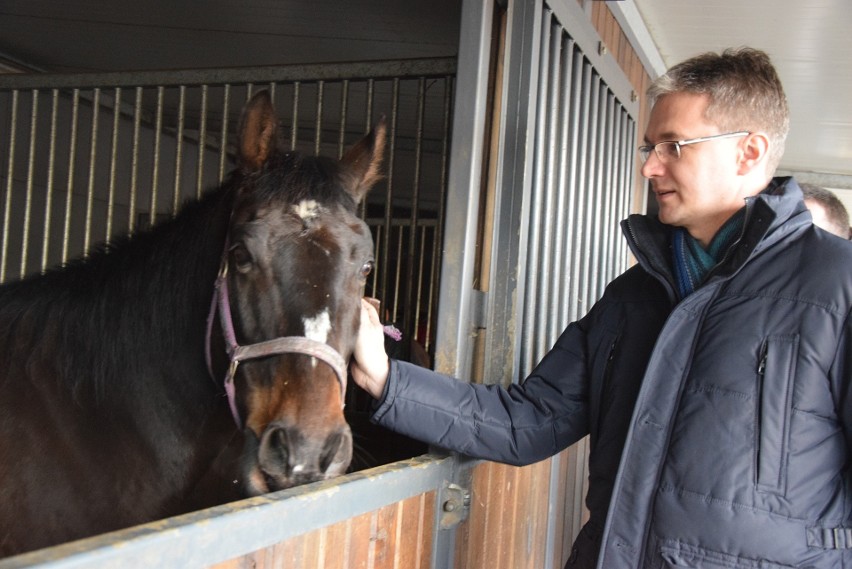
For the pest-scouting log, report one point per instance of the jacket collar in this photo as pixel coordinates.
(772, 214)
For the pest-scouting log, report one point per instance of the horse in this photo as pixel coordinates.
(130, 376)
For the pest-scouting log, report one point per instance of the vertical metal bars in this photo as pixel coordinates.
(83, 162)
(582, 163)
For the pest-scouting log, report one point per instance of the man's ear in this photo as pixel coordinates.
(754, 151)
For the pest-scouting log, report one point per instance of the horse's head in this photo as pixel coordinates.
(297, 263)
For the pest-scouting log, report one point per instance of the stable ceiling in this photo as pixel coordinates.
(808, 41)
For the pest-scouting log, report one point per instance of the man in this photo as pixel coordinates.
(713, 376)
(827, 210)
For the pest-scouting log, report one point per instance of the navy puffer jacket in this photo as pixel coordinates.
(721, 424)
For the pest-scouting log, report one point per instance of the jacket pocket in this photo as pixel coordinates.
(676, 554)
(775, 373)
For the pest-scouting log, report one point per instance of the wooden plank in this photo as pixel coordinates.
(360, 544)
(383, 537)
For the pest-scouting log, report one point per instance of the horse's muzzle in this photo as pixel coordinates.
(285, 457)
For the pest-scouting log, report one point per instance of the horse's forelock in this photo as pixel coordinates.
(292, 178)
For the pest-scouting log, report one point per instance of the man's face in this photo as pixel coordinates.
(700, 190)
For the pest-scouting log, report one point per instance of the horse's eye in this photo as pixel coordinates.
(367, 268)
(241, 257)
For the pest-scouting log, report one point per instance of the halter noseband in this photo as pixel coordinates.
(277, 346)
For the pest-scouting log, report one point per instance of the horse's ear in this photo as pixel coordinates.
(258, 131)
(362, 162)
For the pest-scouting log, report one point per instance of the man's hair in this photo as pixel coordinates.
(834, 208)
(744, 89)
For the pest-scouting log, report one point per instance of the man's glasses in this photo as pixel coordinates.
(669, 150)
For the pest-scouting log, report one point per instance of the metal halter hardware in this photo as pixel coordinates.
(277, 346)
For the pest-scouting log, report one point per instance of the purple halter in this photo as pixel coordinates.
(282, 345)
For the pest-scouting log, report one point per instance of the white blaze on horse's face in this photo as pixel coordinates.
(317, 328)
(307, 209)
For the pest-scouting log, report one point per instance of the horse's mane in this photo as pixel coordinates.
(122, 307)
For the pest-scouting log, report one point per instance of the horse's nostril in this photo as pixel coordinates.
(336, 453)
(332, 445)
(274, 452)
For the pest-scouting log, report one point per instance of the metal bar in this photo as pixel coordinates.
(223, 137)
(134, 162)
(90, 189)
(420, 278)
(318, 118)
(294, 127)
(28, 193)
(10, 171)
(368, 122)
(588, 39)
(116, 116)
(567, 172)
(434, 67)
(408, 325)
(385, 249)
(72, 158)
(529, 29)
(579, 161)
(219, 534)
(439, 229)
(344, 107)
(596, 191)
(610, 188)
(534, 309)
(591, 180)
(181, 118)
(155, 162)
(550, 216)
(396, 274)
(202, 139)
(48, 189)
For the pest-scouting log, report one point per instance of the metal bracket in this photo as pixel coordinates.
(455, 505)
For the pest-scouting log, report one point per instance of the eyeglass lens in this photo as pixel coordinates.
(668, 150)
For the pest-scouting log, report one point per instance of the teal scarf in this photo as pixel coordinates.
(692, 262)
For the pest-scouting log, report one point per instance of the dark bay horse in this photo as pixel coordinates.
(113, 406)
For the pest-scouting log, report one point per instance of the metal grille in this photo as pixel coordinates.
(583, 166)
(87, 159)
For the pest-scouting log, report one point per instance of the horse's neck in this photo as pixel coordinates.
(134, 315)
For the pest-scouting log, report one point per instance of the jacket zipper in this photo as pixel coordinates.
(606, 401)
(642, 258)
(758, 418)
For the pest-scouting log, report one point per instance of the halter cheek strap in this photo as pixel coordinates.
(282, 345)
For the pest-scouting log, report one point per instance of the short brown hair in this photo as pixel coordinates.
(744, 89)
(834, 208)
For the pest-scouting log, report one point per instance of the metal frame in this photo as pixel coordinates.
(539, 91)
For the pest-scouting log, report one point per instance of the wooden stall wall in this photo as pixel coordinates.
(396, 536)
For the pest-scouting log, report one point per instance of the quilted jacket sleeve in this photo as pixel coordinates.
(519, 425)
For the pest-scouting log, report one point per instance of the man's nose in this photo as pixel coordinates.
(652, 167)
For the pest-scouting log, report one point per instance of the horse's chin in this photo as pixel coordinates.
(255, 482)
(258, 482)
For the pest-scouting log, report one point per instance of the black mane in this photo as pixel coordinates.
(150, 291)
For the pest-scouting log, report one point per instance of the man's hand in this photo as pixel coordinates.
(370, 365)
